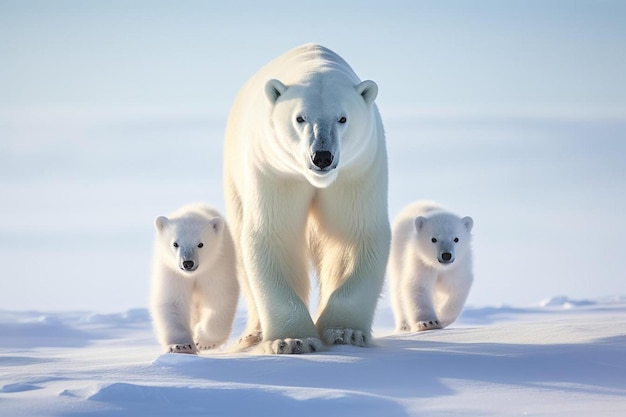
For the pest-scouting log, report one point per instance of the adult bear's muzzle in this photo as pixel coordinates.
(322, 159)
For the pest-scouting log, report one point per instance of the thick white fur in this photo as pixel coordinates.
(426, 293)
(286, 215)
(193, 310)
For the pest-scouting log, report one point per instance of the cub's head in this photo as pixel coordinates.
(443, 239)
(188, 243)
(321, 126)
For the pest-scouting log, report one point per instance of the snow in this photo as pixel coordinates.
(560, 357)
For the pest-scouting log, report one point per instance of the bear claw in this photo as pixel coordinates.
(291, 346)
(345, 337)
(206, 346)
(428, 325)
(182, 348)
(250, 339)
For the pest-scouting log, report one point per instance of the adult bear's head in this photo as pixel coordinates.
(323, 125)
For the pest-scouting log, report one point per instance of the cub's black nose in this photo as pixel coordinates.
(322, 159)
(446, 256)
(188, 265)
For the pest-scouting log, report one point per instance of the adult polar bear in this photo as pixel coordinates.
(305, 174)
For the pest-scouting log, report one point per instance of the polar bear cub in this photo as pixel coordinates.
(430, 266)
(194, 281)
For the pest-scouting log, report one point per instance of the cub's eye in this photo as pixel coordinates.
(200, 244)
(343, 119)
(456, 240)
(433, 240)
(175, 244)
(300, 119)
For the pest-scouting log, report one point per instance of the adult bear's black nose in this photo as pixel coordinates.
(188, 265)
(322, 159)
(446, 256)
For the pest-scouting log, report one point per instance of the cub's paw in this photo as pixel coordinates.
(291, 346)
(420, 326)
(345, 336)
(249, 339)
(182, 348)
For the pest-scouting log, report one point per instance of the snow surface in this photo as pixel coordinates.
(562, 357)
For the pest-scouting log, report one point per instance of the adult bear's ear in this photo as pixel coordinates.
(368, 90)
(468, 222)
(217, 223)
(419, 223)
(160, 222)
(274, 89)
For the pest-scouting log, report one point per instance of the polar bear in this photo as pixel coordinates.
(305, 174)
(430, 266)
(194, 283)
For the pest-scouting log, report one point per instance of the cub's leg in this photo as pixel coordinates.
(419, 300)
(171, 314)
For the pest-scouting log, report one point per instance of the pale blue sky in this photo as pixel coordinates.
(462, 53)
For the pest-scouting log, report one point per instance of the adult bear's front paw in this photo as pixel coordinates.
(182, 348)
(345, 336)
(421, 326)
(291, 346)
(206, 345)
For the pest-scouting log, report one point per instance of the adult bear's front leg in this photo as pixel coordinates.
(348, 311)
(285, 318)
(349, 242)
(274, 258)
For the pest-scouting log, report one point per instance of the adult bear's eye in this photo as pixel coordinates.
(175, 244)
(433, 240)
(200, 244)
(343, 119)
(456, 240)
(300, 119)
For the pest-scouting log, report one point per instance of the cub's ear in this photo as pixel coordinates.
(419, 223)
(368, 89)
(217, 223)
(468, 222)
(274, 89)
(161, 222)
